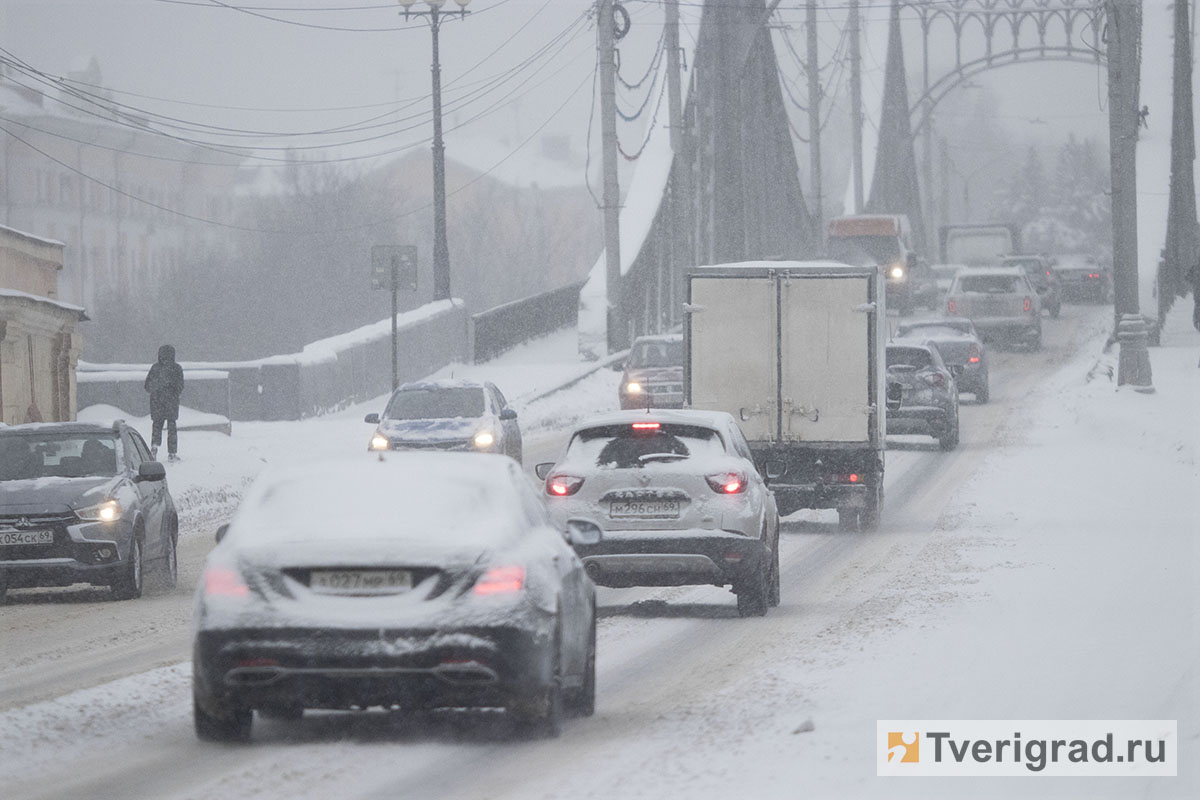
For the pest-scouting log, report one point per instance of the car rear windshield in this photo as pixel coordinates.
(908, 356)
(63, 455)
(625, 447)
(656, 354)
(991, 284)
(436, 403)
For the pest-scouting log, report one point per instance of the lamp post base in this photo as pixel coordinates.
(1133, 362)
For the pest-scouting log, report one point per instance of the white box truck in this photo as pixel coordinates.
(795, 351)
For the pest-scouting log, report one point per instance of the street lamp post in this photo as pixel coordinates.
(441, 251)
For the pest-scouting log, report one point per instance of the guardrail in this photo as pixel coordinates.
(504, 327)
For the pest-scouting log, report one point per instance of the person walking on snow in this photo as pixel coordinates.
(164, 382)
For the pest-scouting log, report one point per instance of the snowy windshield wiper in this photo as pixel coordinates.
(663, 456)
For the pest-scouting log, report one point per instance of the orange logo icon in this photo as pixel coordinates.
(904, 747)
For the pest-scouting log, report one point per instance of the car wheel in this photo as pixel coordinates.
(982, 392)
(1055, 309)
(848, 519)
(291, 713)
(949, 439)
(168, 570)
(234, 727)
(754, 592)
(540, 716)
(872, 514)
(129, 585)
(581, 702)
(1035, 344)
(773, 593)
(3, 586)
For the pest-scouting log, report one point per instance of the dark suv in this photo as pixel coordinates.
(929, 403)
(83, 503)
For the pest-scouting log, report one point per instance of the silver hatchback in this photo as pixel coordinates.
(680, 500)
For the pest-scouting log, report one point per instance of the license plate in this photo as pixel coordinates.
(15, 538)
(360, 581)
(644, 509)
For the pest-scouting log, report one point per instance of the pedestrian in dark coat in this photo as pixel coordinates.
(164, 382)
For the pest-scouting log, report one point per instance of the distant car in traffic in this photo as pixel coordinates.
(409, 582)
(1000, 302)
(960, 347)
(929, 402)
(1040, 271)
(653, 373)
(680, 500)
(448, 414)
(82, 503)
(1083, 278)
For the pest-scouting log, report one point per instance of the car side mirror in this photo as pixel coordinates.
(583, 532)
(151, 471)
(507, 414)
(371, 418)
(543, 469)
(221, 531)
(895, 392)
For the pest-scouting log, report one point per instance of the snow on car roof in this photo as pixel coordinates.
(59, 427)
(441, 383)
(470, 497)
(686, 416)
(659, 337)
(814, 266)
(990, 271)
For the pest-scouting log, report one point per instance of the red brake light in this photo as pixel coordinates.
(563, 485)
(974, 354)
(854, 477)
(1028, 303)
(1093, 274)
(500, 580)
(951, 307)
(646, 426)
(974, 359)
(727, 482)
(224, 583)
(1047, 273)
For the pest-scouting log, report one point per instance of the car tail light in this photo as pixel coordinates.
(974, 354)
(221, 582)
(500, 580)
(1047, 273)
(1028, 304)
(935, 379)
(1093, 274)
(646, 426)
(727, 482)
(563, 485)
(951, 307)
(843, 477)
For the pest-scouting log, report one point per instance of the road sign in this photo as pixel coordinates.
(394, 266)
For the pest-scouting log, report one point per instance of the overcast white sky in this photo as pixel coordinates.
(269, 55)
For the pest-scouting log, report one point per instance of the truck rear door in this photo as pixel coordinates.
(825, 354)
(733, 353)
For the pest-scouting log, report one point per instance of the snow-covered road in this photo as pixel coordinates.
(692, 700)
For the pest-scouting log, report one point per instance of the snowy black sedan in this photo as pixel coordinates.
(83, 503)
(408, 581)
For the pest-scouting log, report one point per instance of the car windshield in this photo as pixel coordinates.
(991, 284)
(436, 403)
(64, 455)
(908, 357)
(1027, 264)
(865, 249)
(625, 447)
(656, 354)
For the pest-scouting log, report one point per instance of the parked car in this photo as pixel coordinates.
(1040, 272)
(83, 503)
(410, 581)
(929, 401)
(447, 415)
(1083, 278)
(653, 376)
(960, 347)
(1000, 301)
(680, 500)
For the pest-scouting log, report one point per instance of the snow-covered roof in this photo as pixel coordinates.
(46, 300)
(442, 383)
(30, 236)
(687, 416)
(791, 266)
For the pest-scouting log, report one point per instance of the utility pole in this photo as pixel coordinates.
(856, 115)
(1124, 35)
(605, 58)
(814, 121)
(679, 173)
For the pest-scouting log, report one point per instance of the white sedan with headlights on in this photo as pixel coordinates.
(679, 498)
(455, 415)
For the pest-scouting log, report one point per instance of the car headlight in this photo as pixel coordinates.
(897, 271)
(484, 439)
(633, 387)
(379, 442)
(108, 511)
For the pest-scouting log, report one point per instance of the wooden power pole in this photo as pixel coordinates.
(814, 121)
(856, 113)
(606, 59)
